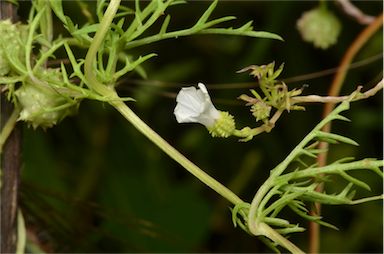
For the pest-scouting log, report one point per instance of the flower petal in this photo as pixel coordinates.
(195, 105)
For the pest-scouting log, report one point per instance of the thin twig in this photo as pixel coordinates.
(337, 99)
(357, 44)
(10, 162)
(355, 12)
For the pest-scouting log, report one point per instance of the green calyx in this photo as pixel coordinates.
(261, 110)
(11, 40)
(320, 27)
(224, 126)
(43, 105)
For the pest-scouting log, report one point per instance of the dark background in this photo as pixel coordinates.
(95, 184)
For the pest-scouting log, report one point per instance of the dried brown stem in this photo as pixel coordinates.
(357, 44)
(337, 99)
(355, 12)
(10, 163)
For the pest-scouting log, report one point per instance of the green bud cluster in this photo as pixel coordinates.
(320, 27)
(41, 104)
(11, 39)
(224, 126)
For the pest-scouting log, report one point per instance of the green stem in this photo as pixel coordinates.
(91, 79)
(117, 103)
(333, 169)
(21, 233)
(174, 154)
(8, 127)
(253, 218)
(269, 232)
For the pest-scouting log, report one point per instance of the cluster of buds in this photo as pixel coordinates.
(195, 105)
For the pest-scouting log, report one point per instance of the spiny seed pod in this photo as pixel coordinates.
(319, 26)
(260, 110)
(42, 105)
(11, 38)
(224, 126)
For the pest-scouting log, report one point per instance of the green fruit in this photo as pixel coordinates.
(320, 27)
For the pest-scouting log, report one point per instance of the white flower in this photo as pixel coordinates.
(195, 106)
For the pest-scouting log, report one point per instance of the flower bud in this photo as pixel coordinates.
(260, 110)
(319, 26)
(41, 105)
(224, 126)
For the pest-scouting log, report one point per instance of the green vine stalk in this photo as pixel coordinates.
(48, 95)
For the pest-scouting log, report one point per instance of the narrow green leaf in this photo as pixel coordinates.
(364, 200)
(285, 231)
(277, 72)
(272, 245)
(336, 137)
(64, 73)
(86, 29)
(324, 198)
(377, 170)
(165, 24)
(309, 217)
(344, 160)
(176, 2)
(57, 8)
(206, 14)
(277, 222)
(138, 17)
(342, 118)
(218, 21)
(346, 190)
(10, 80)
(247, 26)
(317, 151)
(256, 94)
(326, 224)
(255, 34)
(131, 66)
(141, 71)
(21, 233)
(125, 11)
(354, 180)
(308, 153)
(119, 25)
(351, 195)
(281, 202)
(15, 62)
(75, 65)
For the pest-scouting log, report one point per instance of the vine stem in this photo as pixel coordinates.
(140, 125)
(174, 154)
(358, 43)
(8, 128)
(114, 100)
(269, 232)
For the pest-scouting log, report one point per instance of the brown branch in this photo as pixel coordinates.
(336, 99)
(10, 164)
(355, 12)
(357, 44)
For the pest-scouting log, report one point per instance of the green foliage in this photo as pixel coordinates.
(158, 212)
(294, 184)
(119, 37)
